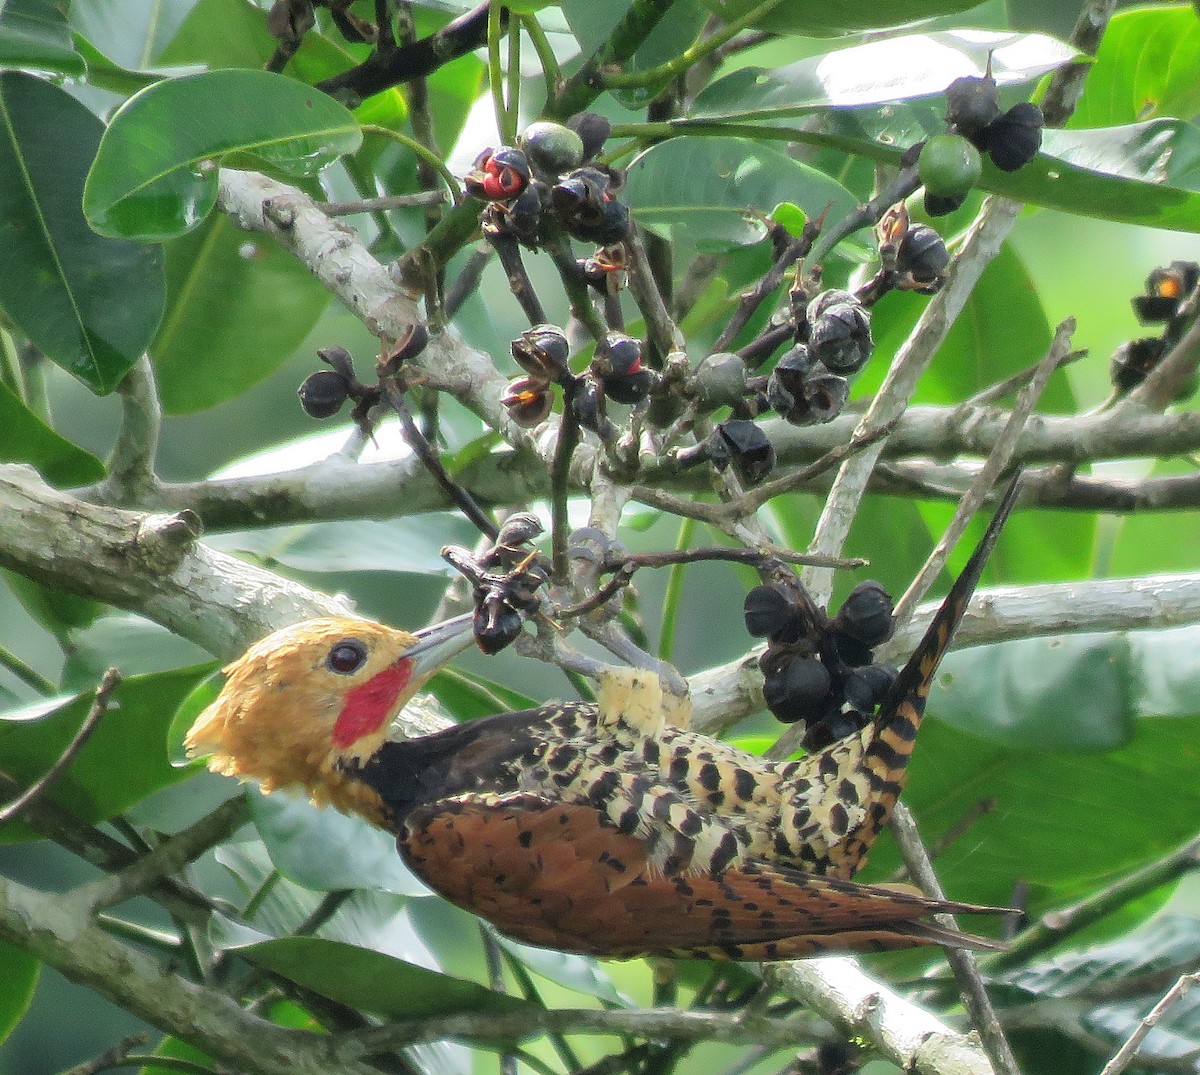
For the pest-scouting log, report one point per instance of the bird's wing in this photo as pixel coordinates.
(561, 876)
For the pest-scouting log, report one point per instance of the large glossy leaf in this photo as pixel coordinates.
(699, 191)
(220, 33)
(132, 32)
(237, 307)
(25, 438)
(352, 854)
(373, 982)
(1166, 946)
(153, 179)
(1145, 68)
(140, 646)
(17, 984)
(578, 973)
(1166, 942)
(34, 35)
(124, 760)
(1048, 805)
(897, 68)
(278, 907)
(468, 696)
(836, 16)
(90, 303)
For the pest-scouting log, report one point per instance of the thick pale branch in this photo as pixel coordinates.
(58, 932)
(900, 1031)
(337, 488)
(150, 564)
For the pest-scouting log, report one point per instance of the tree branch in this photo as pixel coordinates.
(59, 933)
(903, 1033)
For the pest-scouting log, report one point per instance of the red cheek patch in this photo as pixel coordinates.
(368, 705)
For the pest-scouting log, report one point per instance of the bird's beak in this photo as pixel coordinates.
(438, 645)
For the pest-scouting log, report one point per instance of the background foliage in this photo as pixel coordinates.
(1083, 746)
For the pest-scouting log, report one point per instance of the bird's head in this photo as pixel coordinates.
(311, 699)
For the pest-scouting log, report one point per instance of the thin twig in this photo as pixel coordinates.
(970, 981)
(753, 557)
(979, 808)
(994, 223)
(168, 858)
(113, 1057)
(1128, 1052)
(378, 205)
(104, 693)
(26, 673)
(750, 301)
(995, 392)
(131, 463)
(560, 490)
(1055, 926)
(997, 462)
(661, 329)
(508, 250)
(433, 463)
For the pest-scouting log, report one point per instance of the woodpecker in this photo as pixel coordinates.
(601, 828)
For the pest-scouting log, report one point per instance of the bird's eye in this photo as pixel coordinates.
(347, 656)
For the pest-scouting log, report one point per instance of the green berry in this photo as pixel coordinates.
(949, 165)
(552, 148)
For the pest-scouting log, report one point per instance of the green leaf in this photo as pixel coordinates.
(105, 74)
(124, 760)
(132, 32)
(25, 438)
(1151, 956)
(195, 702)
(137, 645)
(1168, 941)
(1145, 68)
(34, 35)
(1144, 795)
(237, 306)
(468, 696)
(90, 303)
(578, 973)
(897, 68)
(60, 612)
(1078, 701)
(220, 34)
(836, 16)
(17, 984)
(352, 854)
(700, 190)
(372, 982)
(152, 178)
(410, 544)
(174, 1049)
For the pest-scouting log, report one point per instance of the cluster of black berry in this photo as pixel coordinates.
(322, 394)
(810, 383)
(616, 372)
(1010, 138)
(1164, 303)
(819, 671)
(505, 580)
(551, 174)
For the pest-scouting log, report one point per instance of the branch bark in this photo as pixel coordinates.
(60, 933)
